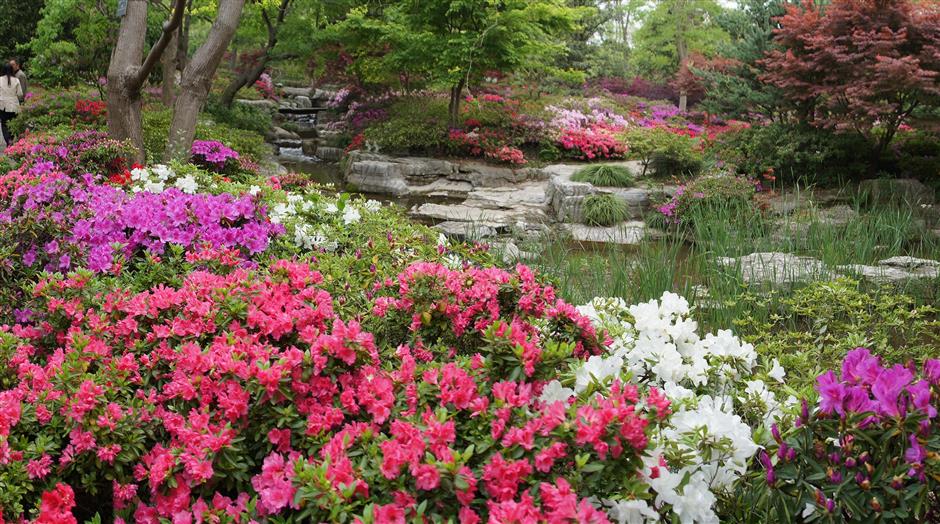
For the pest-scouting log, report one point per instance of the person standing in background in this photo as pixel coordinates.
(21, 76)
(10, 94)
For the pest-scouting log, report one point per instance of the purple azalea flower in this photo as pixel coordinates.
(932, 370)
(860, 367)
(887, 388)
(831, 393)
(920, 398)
(916, 453)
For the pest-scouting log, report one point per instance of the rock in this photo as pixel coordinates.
(637, 200)
(566, 197)
(294, 92)
(531, 194)
(279, 133)
(267, 105)
(465, 213)
(303, 102)
(839, 215)
(897, 269)
(467, 230)
(777, 268)
(485, 175)
(309, 146)
(330, 154)
(512, 254)
(628, 233)
(906, 191)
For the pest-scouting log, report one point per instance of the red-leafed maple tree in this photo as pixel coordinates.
(861, 65)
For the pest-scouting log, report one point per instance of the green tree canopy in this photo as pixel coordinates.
(674, 29)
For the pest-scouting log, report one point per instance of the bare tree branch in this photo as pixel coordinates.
(157, 50)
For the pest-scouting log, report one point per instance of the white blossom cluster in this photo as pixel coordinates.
(711, 383)
(311, 217)
(159, 178)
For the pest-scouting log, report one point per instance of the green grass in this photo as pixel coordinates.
(605, 210)
(605, 175)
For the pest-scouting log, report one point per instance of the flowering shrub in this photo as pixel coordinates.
(160, 405)
(90, 111)
(732, 195)
(265, 86)
(214, 155)
(717, 397)
(868, 451)
(592, 143)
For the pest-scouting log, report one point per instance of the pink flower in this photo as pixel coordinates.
(426, 477)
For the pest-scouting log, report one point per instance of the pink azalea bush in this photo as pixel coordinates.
(214, 155)
(243, 394)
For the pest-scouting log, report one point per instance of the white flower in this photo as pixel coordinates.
(453, 261)
(631, 512)
(254, 190)
(776, 371)
(153, 187)
(372, 205)
(330, 208)
(162, 172)
(441, 240)
(597, 368)
(351, 215)
(187, 184)
(140, 174)
(555, 392)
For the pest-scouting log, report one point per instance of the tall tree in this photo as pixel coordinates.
(129, 69)
(734, 86)
(72, 42)
(18, 21)
(674, 31)
(272, 18)
(451, 43)
(858, 65)
(197, 78)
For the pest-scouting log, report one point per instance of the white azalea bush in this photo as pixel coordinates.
(720, 399)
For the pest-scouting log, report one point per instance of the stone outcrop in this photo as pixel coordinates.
(897, 269)
(382, 174)
(786, 269)
(779, 269)
(897, 191)
(628, 233)
(566, 196)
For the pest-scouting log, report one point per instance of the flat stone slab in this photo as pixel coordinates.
(777, 268)
(628, 233)
(529, 194)
(465, 213)
(468, 230)
(897, 269)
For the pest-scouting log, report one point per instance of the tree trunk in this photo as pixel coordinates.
(243, 79)
(254, 72)
(128, 70)
(682, 48)
(124, 106)
(453, 109)
(197, 79)
(169, 70)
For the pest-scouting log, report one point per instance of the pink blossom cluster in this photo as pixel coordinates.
(213, 154)
(595, 142)
(240, 395)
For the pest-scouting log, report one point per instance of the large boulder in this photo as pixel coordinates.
(628, 233)
(293, 92)
(904, 191)
(897, 269)
(778, 269)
